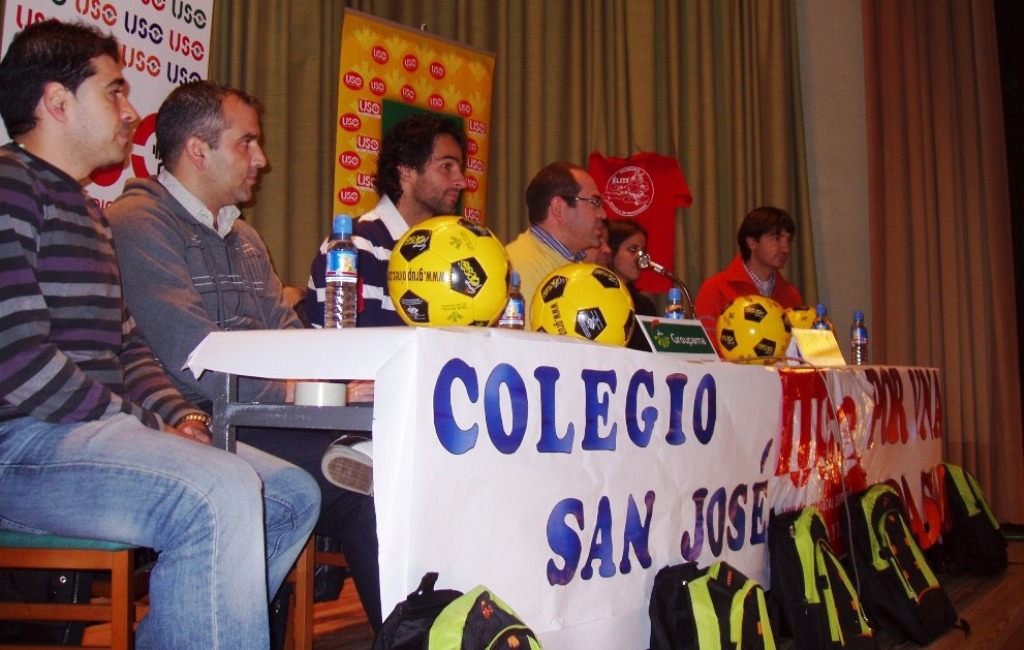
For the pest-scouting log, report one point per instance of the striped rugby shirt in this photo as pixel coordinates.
(69, 350)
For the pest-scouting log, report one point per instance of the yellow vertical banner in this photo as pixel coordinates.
(389, 71)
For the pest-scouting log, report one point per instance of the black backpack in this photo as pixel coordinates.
(819, 601)
(901, 594)
(717, 607)
(407, 627)
(974, 542)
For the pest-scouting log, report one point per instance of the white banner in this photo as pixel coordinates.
(164, 43)
(563, 477)
(867, 424)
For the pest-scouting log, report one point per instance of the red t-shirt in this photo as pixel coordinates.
(647, 187)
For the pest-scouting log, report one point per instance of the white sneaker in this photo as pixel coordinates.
(348, 463)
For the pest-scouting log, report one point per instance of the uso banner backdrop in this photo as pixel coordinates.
(389, 71)
(163, 43)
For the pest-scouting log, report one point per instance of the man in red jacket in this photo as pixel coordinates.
(765, 238)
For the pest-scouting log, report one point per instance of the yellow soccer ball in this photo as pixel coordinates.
(448, 271)
(752, 327)
(800, 317)
(585, 301)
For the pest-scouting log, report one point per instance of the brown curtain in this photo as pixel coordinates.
(713, 84)
(941, 245)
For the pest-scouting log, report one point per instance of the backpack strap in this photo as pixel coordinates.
(867, 504)
(805, 548)
(708, 633)
(737, 612)
(845, 588)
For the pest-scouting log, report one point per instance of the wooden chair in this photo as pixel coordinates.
(26, 551)
(300, 621)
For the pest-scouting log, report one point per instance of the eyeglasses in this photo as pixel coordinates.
(595, 201)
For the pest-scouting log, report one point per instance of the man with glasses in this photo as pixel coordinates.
(566, 216)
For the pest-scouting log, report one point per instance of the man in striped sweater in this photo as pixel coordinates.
(94, 440)
(420, 174)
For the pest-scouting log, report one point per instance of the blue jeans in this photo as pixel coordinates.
(344, 515)
(227, 527)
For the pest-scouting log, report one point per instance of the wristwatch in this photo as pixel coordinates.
(194, 417)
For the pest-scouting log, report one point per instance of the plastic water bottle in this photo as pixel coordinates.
(674, 309)
(342, 276)
(821, 320)
(858, 340)
(513, 317)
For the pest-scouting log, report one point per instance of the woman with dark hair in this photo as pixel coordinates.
(627, 238)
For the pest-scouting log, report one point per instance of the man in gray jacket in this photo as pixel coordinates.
(190, 266)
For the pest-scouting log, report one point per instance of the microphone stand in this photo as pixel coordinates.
(644, 261)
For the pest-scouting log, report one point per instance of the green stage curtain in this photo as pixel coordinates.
(713, 84)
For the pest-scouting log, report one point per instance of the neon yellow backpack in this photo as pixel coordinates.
(479, 620)
(717, 608)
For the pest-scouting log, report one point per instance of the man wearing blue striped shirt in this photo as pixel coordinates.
(566, 214)
(420, 174)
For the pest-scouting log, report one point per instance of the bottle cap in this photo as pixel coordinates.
(675, 294)
(342, 225)
(515, 278)
(821, 310)
(858, 315)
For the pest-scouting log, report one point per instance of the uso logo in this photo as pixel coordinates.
(408, 93)
(410, 63)
(465, 108)
(350, 160)
(435, 101)
(350, 122)
(437, 70)
(348, 195)
(353, 80)
(378, 87)
(189, 14)
(30, 18)
(380, 54)
(472, 184)
(135, 59)
(367, 143)
(106, 13)
(144, 29)
(369, 107)
(472, 147)
(187, 46)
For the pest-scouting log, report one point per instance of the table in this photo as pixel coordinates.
(564, 474)
(229, 414)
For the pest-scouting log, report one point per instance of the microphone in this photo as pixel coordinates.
(644, 261)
